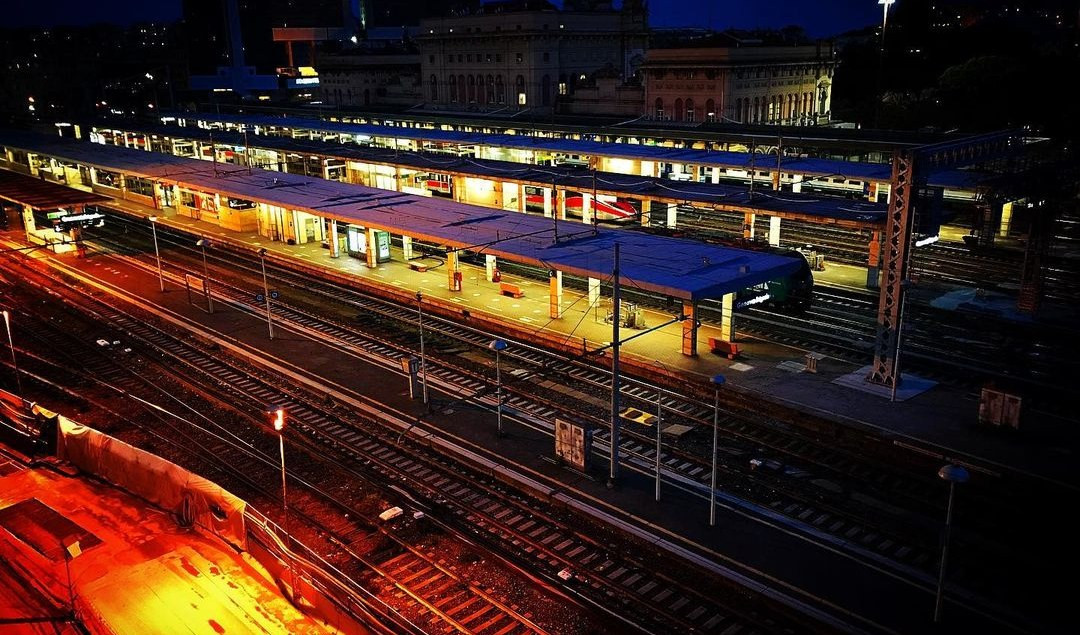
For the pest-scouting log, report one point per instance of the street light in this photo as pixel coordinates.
(953, 474)
(885, 4)
(279, 425)
(204, 243)
(423, 358)
(498, 346)
(14, 363)
(266, 294)
(157, 252)
(717, 381)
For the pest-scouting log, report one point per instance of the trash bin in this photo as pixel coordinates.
(811, 361)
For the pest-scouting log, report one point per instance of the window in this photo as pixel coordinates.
(472, 89)
(547, 56)
(481, 96)
(519, 86)
(431, 59)
(710, 110)
(490, 89)
(460, 58)
(137, 185)
(498, 58)
(468, 58)
(659, 108)
(449, 59)
(562, 88)
(500, 90)
(520, 57)
(689, 109)
(487, 58)
(434, 88)
(453, 88)
(678, 109)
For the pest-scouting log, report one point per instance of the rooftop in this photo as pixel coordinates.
(39, 194)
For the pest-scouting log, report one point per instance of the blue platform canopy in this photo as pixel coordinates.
(680, 268)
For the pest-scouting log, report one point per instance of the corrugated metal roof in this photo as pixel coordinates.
(676, 267)
(42, 194)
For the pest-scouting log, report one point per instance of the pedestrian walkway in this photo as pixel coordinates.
(942, 420)
(129, 567)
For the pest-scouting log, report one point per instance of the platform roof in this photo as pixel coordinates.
(817, 167)
(41, 194)
(680, 268)
(724, 196)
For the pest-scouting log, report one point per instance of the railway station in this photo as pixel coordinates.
(402, 235)
(44, 206)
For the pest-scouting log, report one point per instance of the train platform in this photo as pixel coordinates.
(937, 419)
(129, 567)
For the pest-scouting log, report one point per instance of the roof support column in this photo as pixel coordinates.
(774, 231)
(457, 187)
(672, 215)
(873, 261)
(594, 292)
(555, 294)
(695, 173)
(406, 248)
(453, 271)
(521, 198)
(689, 328)
(727, 317)
(1006, 218)
(748, 225)
(28, 220)
(372, 248)
(796, 183)
(776, 179)
(490, 266)
(714, 175)
(560, 203)
(587, 208)
(547, 202)
(646, 212)
(333, 239)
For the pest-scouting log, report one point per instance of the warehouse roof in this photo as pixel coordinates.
(676, 267)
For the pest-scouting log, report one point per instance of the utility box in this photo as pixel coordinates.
(999, 408)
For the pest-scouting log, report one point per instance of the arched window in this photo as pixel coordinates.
(545, 90)
(678, 109)
(791, 106)
(755, 114)
(519, 90)
(472, 89)
(746, 110)
(500, 89)
(481, 96)
(659, 108)
(710, 110)
(434, 88)
(689, 109)
(453, 88)
(490, 89)
(463, 94)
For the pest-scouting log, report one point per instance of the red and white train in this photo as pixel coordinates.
(606, 211)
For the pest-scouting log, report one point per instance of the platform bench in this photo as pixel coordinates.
(512, 290)
(416, 266)
(722, 347)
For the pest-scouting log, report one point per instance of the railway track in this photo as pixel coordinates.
(485, 508)
(820, 503)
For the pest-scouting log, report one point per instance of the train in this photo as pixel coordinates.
(605, 211)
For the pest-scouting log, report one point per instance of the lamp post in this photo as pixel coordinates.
(423, 358)
(279, 426)
(204, 243)
(954, 474)
(266, 294)
(14, 363)
(717, 382)
(498, 346)
(885, 4)
(157, 252)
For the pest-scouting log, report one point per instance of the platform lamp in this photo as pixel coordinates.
(954, 474)
(498, 346)
(717, 381)
(278, 415)
(157, 252)
(204, 243)
(11, 344)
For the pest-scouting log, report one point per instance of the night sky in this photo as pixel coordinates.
(819, 17)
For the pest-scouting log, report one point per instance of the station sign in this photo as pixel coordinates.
(573, 444)
(67, 223)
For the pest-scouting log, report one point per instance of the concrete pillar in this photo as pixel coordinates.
(28, 219)
(521, 198)
(586, 208)
(489, 268)
(594, 291)
(333, 239)
(873, 261)
(372, 248)
(689, 328)
(457, 184)
(547, 202)
(672, 215)
(326, 169)
(406, 248)
(776, 179)
(796, 183)
(560, 203)
(715, 175)
(695, 173)
(748, 225)
(1006, 219)
(646, 212)
(453, 271)
(727, 317)
(555, 294)
(774, 231)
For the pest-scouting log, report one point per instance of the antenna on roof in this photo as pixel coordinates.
(247, 151)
